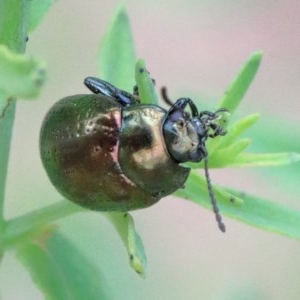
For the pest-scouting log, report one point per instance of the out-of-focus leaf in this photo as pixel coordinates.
(116, 57)
(14, 18)
(21, 228)
(21, 76)
(60, 270)
(38, 9)
(277, 134)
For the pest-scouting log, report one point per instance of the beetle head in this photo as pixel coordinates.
(185, 135)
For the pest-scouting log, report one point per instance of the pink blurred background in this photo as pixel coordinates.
(192, 47)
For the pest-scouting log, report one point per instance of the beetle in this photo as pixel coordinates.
(108, 152)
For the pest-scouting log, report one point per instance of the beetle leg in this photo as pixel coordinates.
(217, 130)
(99, 86)
(181, 104)
(209, 114)
(208, 119)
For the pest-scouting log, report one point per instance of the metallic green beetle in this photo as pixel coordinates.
(107, 152)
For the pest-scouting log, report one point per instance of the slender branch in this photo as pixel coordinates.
(13, 30)
(29, 223)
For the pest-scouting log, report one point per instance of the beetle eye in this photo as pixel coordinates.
(180, 124)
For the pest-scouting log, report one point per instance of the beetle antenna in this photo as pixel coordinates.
(212, 197)
(165, 96)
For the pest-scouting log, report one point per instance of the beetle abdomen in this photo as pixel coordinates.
(79, 146)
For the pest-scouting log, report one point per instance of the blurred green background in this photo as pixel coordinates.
(195, 48)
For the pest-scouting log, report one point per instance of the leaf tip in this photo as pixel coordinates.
(121, 11)
(236, 201)
(294, 157)
(138, 265)
(140, 63)
(255, 58)
(255, 116)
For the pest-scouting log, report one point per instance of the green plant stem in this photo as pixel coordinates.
(14, 16)
(19, 228)
(13, 25)
(13, 32)
(6, 121)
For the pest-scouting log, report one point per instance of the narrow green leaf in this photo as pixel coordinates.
(116, 57)
(147, 93)
(20, 75)
(266, 215)
(265, 159)
(38, 9)
(60, 270)
(124, 225)
(255, 211)
(237, 129)
(240, 84)
(221, 157)
(195, 189)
